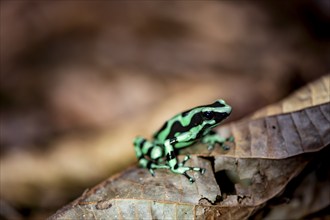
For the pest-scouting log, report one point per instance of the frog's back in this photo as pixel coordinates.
(178, 124)
(168, 129)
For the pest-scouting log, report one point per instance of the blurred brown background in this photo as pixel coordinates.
(80, 79)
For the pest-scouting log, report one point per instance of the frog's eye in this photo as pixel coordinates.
(208, 115)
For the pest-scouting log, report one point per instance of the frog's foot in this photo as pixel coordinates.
(226, 147)
(214, 139)
(187, 157)
(156, 166)
(151, 165)
(191, 179)
(183, 170)
(212, 144)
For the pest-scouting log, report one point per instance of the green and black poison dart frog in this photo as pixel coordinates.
(181, 131)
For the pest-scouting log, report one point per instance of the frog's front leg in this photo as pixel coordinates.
(213, 138)
(172, 161)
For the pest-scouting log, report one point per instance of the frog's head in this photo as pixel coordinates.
(215, 113)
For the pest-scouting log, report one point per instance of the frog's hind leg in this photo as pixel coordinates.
(147, 154)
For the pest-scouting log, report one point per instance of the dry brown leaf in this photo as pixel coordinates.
(313, 94)
(309, 193)
(280, 136)
(269, 151)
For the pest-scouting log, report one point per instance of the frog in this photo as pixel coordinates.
(181, 131)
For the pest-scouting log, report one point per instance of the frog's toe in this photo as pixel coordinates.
(191, 180)
(187, 157)
(152, 172)
(210, 147)
(230, 139)
(201, 170)
(225, 147)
